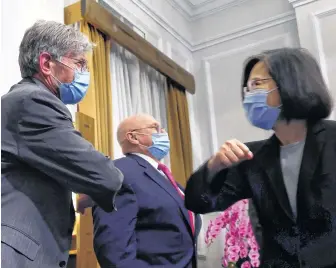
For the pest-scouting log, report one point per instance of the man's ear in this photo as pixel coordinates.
(45, 63)
(131, 137)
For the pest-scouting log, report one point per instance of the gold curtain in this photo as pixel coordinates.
(98, 101)
(97, 104)
(179, 133)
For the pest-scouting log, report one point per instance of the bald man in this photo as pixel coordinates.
(152, 227)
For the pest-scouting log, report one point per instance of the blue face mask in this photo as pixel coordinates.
(74, 92)
(161, 145)
(258, 112)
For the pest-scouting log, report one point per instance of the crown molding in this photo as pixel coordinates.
(298, 3)
(246, 30)
(182, 7)
(193, 12)
(201, 44)
(201, 13)
(162, 22)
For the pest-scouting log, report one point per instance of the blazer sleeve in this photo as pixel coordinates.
(114, 232)
(205, 194)
(48, 142)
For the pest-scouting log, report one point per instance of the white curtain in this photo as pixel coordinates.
(136, 88)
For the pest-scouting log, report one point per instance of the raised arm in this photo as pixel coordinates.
(48, 142)
(219, 183)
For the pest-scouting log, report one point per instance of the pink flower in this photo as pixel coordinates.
(226, 215)
(225, 262)
(246, 264)
(243, 253)
(254, 246)
(231, 241)
(234, 257)
(242, 231)
(233, 249)
(240, 241)
(255, 263)
(254, 255)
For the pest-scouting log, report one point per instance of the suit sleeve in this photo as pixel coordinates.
(205, 194)
(114, 233)
(48, 142)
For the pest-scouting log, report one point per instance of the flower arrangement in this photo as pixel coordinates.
(241, 248)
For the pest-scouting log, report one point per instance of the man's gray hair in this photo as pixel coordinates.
(52, 37)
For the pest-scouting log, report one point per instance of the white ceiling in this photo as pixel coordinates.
(196, 2)
(202, 2)
(195, 9)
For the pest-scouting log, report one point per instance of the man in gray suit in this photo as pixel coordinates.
(43, 158)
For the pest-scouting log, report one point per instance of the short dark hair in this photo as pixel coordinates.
(303, 92)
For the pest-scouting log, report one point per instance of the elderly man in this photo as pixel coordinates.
(43, 158)
(151, 228)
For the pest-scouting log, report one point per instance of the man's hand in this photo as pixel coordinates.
(83, 202)
(232, 152)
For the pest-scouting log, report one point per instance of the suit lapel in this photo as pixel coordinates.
(162, 182)
(315, 141)
(269, 158)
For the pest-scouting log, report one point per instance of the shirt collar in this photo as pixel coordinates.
(148, 159)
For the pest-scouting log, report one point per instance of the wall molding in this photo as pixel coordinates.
(201, 44)
(194, 12)
(246, 30)
(211, 108)
(124, 12)
(206, 61)
(280, 37)
(316, 18)
(162, 22)
(298, 3)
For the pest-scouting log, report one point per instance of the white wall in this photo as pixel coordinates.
(218, 65)
(16, 17)
(317, 31)
(160, 31)
(231, 19)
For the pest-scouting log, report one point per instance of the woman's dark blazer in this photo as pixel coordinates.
(308, 240)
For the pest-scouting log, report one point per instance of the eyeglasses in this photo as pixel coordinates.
(82, 65)
(254, 83)
(158, 128)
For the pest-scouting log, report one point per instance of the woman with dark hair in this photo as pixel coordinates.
(291, 177)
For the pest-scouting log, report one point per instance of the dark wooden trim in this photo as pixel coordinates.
(102, 19)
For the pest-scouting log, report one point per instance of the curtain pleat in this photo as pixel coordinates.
(97, 104)
(179, 133)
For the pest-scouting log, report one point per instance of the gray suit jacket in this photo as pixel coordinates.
(43, 160)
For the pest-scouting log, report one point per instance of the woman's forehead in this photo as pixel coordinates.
(260, 69)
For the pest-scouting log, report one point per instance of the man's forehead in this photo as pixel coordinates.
(76, 56)
(151, 121)
(144, 121)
